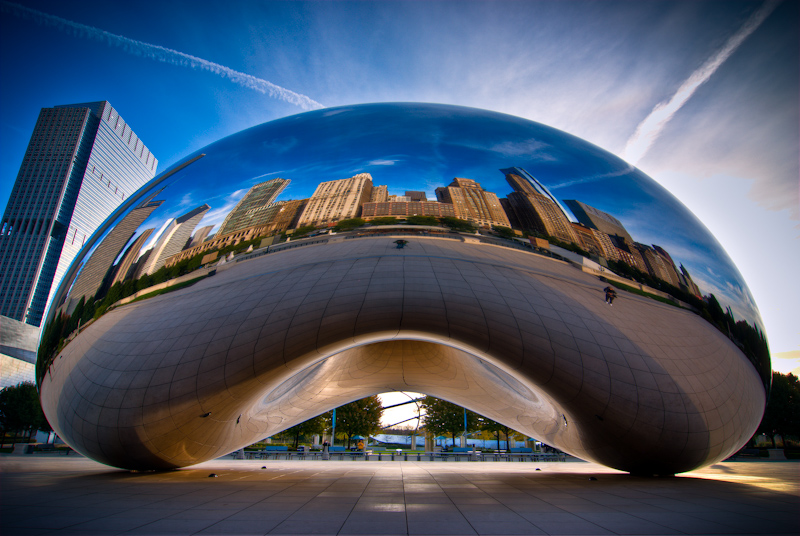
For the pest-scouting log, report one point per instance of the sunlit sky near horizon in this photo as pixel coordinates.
(728, 147)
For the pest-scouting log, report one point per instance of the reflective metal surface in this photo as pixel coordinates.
(236, 295)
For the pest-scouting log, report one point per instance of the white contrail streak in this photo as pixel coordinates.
(648, 130)
(162, 54)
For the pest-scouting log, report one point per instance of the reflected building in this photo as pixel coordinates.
(404, 209)
(286, 329)
(94, 273)
(126, 268)
(337, 200)
(597, 219)
(82, 162)
(417, 195)
(283, 215)
(172, 240)
(199, 236)
(380, 194)
(473, 203)
(537, 211)
(255, 208)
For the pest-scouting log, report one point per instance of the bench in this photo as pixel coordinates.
(274, 448)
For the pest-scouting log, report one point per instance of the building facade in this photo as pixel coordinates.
(337, 200)
(597, 219)
(380, 194)
(407, 208)
(82, 162)
(172, 240)
(473, 203)
(255, 207)
(97, 269)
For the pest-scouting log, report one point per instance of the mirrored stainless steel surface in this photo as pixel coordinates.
(478, 257)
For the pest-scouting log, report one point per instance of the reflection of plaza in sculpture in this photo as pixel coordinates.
(275, 328)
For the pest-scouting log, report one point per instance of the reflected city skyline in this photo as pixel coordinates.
(398, 196)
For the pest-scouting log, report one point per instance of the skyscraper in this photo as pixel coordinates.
(172, 240)
(97, 268)
(337, 200)
(473, 203)
(597, 219)
(254, 208)
(82, 161)
(536, 208)
(525, 183)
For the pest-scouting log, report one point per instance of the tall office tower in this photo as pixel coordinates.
(523, 182)
(94, 271)
(627, 252)
(537, 213)
(337, 200)
(609, 250)
(657, 265)
(199, 236)
(587, 239)
(251, 209)
(597, 219)
(417, 196)
(172, 240)
(288, 214)
(82, 161)
(473, 203)
(511, 214)
(687, 280)
(124, 269)
(380, 194)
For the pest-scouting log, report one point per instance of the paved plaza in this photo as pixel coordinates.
(74, 495)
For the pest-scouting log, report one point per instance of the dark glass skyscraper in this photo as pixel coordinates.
(82, 162)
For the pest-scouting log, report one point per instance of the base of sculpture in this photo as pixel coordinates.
(521, 338)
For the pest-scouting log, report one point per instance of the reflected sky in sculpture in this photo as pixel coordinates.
(422, 147)
(172, 380)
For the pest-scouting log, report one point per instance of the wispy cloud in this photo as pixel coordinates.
(593, 178)
(162, 54)
(382, 162)
(648, 130)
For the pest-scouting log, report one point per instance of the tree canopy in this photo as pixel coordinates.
(361, 417)
(782, 415)
(346, 225)
(20, 409)
(493, 427)
(304, 430)
(442, 417)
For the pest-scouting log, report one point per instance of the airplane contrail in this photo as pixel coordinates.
(162, 54)
(648, 130)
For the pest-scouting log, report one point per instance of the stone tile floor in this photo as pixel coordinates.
(62, 495)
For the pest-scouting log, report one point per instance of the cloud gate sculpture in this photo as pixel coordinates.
(477, 257)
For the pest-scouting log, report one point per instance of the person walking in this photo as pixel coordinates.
(610, 295)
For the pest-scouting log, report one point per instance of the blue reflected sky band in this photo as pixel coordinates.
(411, 146)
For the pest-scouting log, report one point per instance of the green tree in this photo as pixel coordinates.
(442, 417)
(782, 415)
(505, 232)
(496, 428)
(20, 409)
(347, 225)
(302, 231)
(458, 225)
(304, 430)
(422, 220)
(386, 220)
(361, 417)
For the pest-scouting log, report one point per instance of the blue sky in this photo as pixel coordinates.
(593, 69)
